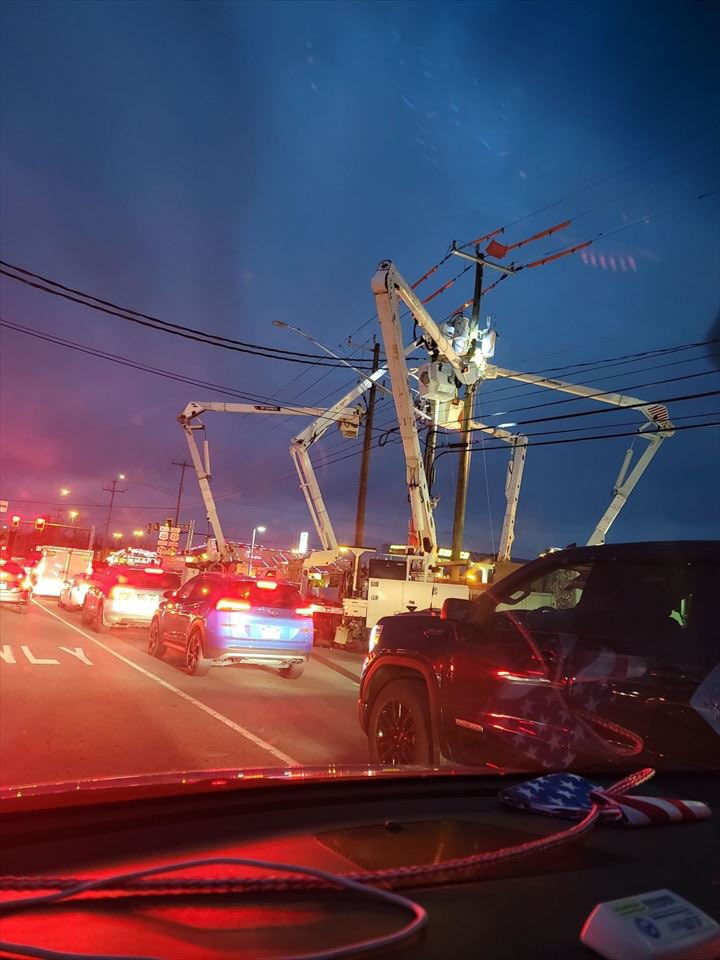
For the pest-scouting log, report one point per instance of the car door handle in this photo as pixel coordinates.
(433, 631)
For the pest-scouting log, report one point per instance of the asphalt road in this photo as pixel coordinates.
(77, 705)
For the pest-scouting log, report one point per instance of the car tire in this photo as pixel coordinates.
(292, 672)
(97, 623)
(155, 648)
(83, 615)
(196, 663)
(24, 608)
(60, 603)
(399, 725)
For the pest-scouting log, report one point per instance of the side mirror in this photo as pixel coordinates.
(455, 608)
(169, 594)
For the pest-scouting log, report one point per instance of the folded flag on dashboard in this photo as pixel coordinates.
(571, 796)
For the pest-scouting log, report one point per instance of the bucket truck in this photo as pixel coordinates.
(347, 419)
(459, 354)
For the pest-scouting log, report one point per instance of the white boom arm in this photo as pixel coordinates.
(190, 423)
(388, 288)
(513, 481)
(658, 428)
(389, 278)
(299, 451)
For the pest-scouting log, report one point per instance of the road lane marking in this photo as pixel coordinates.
(38, 660)
(264, 745)
(79, 653)
(6, 654)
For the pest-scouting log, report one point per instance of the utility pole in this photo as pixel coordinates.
(463, 476)
(112, 489)
(365, 459)
(183, 467)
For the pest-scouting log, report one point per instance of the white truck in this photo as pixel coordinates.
(57, 565)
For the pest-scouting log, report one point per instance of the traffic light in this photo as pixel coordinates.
(149, 528)
(15, 522)
(39, 523)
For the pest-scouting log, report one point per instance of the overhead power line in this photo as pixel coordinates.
(162, 326)
(146, 368)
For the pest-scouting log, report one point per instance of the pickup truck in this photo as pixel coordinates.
(590, 657)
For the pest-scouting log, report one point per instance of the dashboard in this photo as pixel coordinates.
(532, 907)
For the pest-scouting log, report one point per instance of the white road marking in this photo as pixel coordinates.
(79, 653)
(268, 747)
(32, 659)
(6, 654)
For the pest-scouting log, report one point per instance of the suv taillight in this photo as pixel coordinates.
(305, 611)
(230, 604)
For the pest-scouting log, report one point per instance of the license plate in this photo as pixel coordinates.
(3, 586)
(269, 633)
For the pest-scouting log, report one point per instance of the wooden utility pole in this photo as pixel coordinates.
(365, 459)
(183, 467)
(463, 475)
(112, 490)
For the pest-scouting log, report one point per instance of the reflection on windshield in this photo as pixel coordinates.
(284, 483)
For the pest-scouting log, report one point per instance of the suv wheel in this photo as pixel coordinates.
(196, 663)
(155, 647)
(98, 621)
(293, 671)
(399, 728)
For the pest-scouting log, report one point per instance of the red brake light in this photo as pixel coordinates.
(113, 592)
(267, 584)
(305, 611)
(231, 604)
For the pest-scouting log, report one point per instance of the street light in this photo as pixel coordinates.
(281, 325)
(117, 535)
(64, 492)
(73, 514)
(121, 476)
(252, 547)
(138, 533)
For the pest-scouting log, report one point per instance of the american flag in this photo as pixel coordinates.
(549, 717)
(571, 796)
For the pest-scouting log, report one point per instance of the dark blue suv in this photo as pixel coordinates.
(219, 620)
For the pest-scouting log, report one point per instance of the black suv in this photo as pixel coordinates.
(588, 657)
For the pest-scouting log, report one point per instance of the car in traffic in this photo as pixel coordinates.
(219, 620)
(15, 585)
(73, 591)
(125, 596)
(587, 657)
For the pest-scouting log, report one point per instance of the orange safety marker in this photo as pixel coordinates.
(556, 256)
(500, 250)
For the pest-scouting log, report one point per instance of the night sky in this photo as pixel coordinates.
(224, 165)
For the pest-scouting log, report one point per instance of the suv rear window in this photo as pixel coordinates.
(275, 594)
(141, 579)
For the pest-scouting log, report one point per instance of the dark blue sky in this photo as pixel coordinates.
(225, 165)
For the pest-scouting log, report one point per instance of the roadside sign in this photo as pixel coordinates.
(165, 550)
(4, 506)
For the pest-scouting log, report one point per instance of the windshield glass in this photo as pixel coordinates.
(359, 388)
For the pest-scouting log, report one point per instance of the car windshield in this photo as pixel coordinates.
(143, 579)
(359, 390)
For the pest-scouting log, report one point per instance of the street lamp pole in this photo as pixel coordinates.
(281, 325)
(252, 548)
